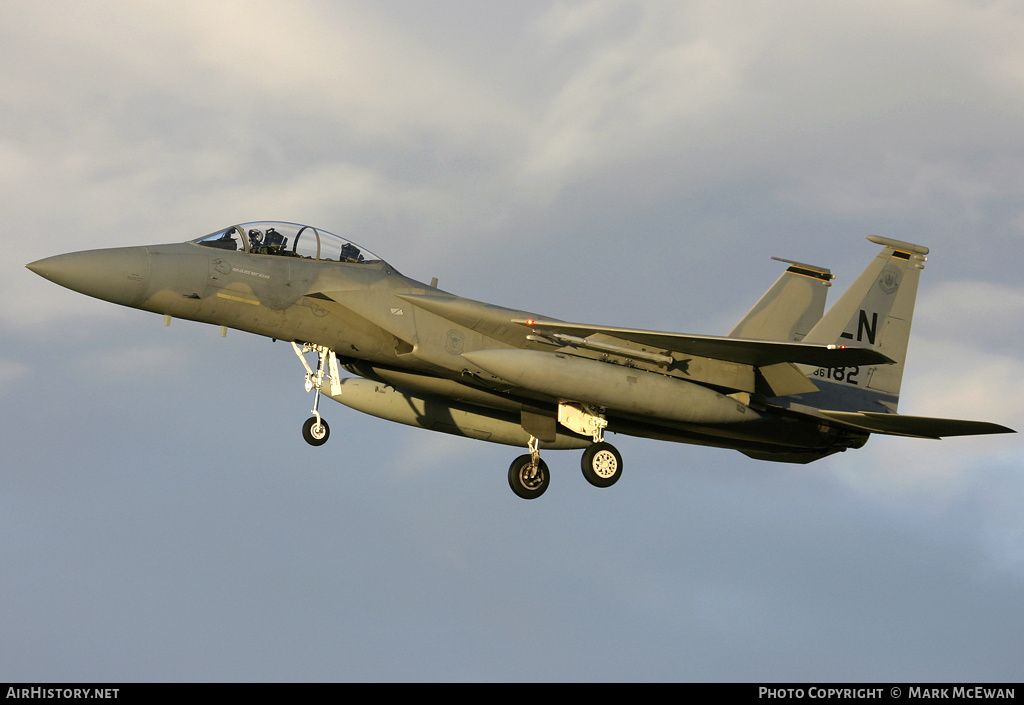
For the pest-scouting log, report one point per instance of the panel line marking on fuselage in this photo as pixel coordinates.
(239, 299)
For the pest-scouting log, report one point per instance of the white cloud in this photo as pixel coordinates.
(652, 77)
(986, 314)
(566, 21)
(907, 183)
(872, 108)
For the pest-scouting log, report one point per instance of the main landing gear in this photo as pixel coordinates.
(528, 475)
(601, 463)
(315, 430)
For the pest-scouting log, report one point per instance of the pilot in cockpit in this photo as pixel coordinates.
(255, 239)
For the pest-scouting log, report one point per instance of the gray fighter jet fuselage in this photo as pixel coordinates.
(810, 384)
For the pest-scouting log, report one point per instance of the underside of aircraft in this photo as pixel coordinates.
(790, 383)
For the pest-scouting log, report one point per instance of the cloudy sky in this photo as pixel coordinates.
(628, 163)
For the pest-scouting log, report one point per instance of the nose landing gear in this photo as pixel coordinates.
(315, 430)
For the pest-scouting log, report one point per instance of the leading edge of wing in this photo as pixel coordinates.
(915, 426)
(759, 353)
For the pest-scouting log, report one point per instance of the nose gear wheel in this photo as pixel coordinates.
(316, 431)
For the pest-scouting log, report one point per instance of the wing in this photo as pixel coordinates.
(757, 353)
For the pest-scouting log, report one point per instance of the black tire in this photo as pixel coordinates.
(602, 464)
(525, 482)
(315, 436)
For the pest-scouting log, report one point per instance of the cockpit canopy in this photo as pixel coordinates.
(287, 240)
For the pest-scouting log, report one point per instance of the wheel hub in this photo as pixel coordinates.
(530, 477)
(605, 465)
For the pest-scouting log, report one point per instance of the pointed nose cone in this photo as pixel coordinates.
(119, 274)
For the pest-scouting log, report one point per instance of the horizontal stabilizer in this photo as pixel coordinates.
(759, 353)
(915, 426)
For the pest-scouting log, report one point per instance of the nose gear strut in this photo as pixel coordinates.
(315, 430)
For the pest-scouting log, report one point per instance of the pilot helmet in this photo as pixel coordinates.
(255, 235)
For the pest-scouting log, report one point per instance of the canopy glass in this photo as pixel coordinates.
(280, 239)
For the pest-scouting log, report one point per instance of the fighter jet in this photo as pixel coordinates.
(790, 383)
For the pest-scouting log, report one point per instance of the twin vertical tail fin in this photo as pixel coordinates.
(790, 308)
(875, 312)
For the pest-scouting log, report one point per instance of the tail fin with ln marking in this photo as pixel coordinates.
(876, 313)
